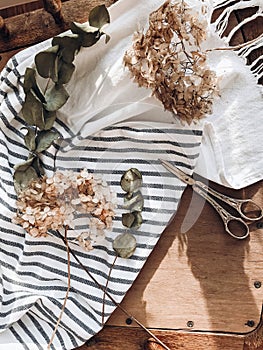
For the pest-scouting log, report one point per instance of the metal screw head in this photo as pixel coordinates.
(128, 321)
(190, 324)
(257, 284)
(250, 323)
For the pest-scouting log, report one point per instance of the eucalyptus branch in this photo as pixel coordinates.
(40, 107)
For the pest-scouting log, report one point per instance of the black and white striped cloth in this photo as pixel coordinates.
(33, 270)
(122, 134)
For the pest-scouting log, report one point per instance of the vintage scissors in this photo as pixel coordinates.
(232, 223)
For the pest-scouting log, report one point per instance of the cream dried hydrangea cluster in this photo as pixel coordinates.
(168, 60)
(52, 203)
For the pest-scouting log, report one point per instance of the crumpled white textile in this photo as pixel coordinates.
(232, 146)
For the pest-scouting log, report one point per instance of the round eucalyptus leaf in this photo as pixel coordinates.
(49, 119)
(30, 139)
(132, 220)
(124, 245)
(32, 110)
(127, 219)
(89, 39)
(47, 63)
(68, 46)
(55, 97)
(22, 178)
(65, 72)
(38, 167)
(107, 38)
(131, 180)
(45, 139)
(23, 166)
(31, 83)
(99, 16)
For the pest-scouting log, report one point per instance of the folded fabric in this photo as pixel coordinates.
(232, 146)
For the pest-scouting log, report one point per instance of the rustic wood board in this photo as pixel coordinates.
(199, 273)
(32, 27)
(119, 338)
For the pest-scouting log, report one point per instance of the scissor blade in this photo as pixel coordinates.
(177, 172)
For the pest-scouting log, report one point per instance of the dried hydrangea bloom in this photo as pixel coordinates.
(51, 204)
(168, 60)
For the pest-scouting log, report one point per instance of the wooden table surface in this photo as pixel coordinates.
(200, 288)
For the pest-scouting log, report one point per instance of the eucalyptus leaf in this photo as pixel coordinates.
(30, 83)
(68, 46)
(88, 35)
(107, 38)
(30, 139)
(23, 166)
(45, 139)
(131, 180)
(132, 220)
(55, 97)
(32, 110)
(38, 167)
(49, 119)
(89, 39)
(99, 16)
(47, 63)
(22, 178)
(65, 72)
(127, 219)
(124, 245)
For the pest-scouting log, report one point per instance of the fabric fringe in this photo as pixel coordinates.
(222, 22)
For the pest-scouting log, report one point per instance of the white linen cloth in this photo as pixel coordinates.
(110, 125)
(232, 146)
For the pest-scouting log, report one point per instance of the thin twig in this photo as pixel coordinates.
(106, 287)
(67, 293)
(111, 298)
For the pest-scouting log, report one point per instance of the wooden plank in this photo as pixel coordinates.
(11, 10)
(10, 3)
(119, 338)
(198, 273)
(36, 26)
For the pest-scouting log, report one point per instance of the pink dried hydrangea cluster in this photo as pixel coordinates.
(51, 204)
(168, 60)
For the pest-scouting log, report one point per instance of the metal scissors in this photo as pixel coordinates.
(231, 222)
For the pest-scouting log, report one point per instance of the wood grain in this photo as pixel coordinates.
(36, 26)
(116, 338)
(198, 273)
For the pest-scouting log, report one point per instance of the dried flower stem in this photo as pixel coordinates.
(67, 293)
(106, 287)
(109, 295)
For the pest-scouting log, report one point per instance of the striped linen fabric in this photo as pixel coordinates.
(34, 270)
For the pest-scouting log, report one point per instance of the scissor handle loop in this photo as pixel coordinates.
(235, 203)
(225, 215)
